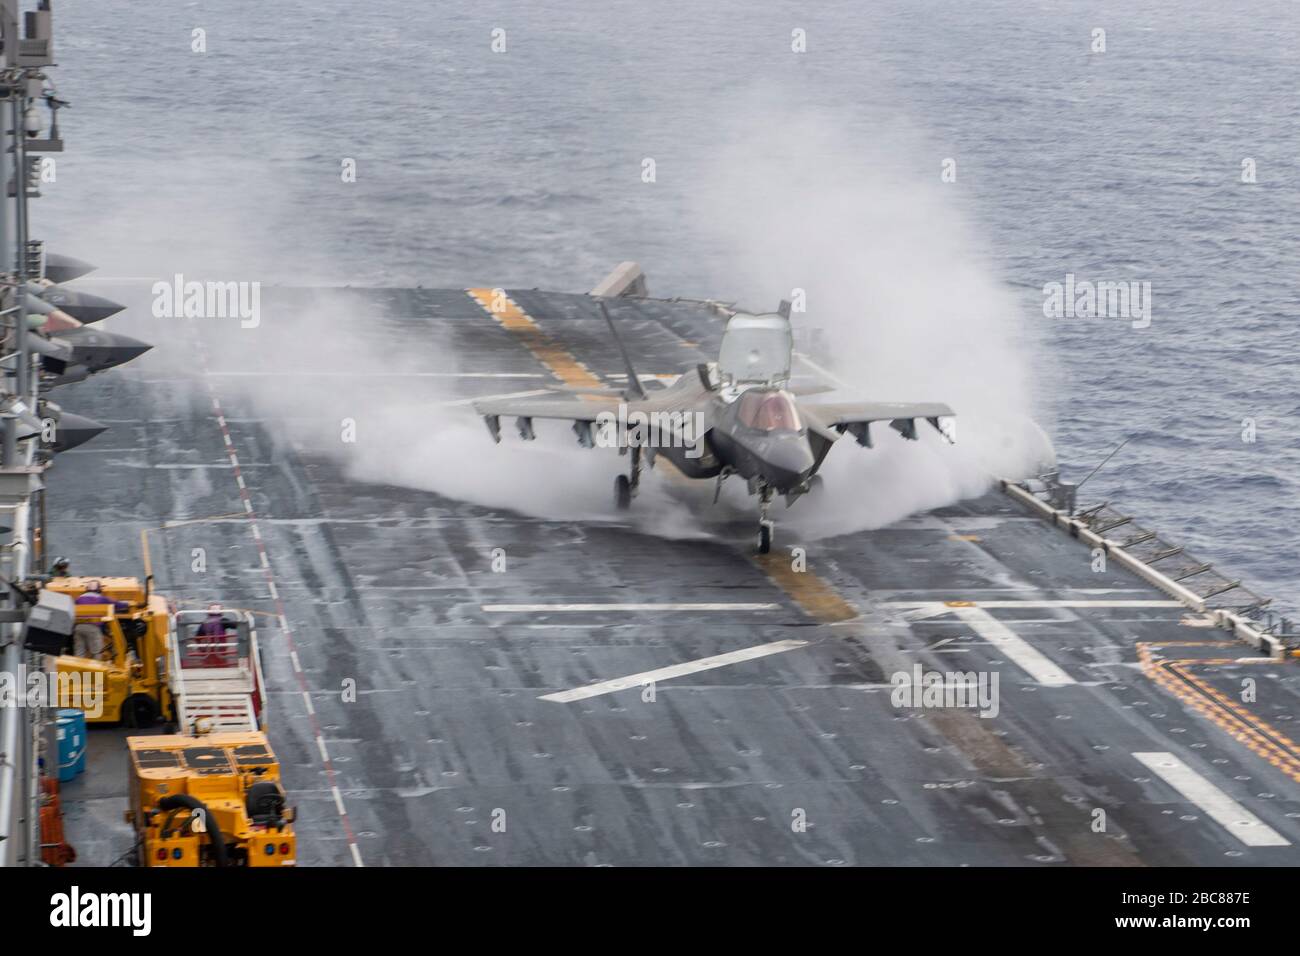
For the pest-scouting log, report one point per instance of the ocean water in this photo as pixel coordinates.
(527, 168)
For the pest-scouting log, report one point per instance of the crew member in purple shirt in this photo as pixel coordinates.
(88, 638)
(211, 640)
(93, 595)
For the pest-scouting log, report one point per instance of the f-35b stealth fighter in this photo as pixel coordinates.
(738, 416)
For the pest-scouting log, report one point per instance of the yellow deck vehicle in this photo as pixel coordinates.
(152, 664)
(209, 800)
(132, 627)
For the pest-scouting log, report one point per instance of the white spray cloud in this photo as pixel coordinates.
(893, 274)
(377, 394)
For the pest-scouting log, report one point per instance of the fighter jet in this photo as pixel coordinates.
(82, 306)
(60, 268)
(61, 430)
(70, 349)
(740, 415)
(87, 351)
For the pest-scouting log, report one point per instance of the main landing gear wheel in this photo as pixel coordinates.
(765, 529)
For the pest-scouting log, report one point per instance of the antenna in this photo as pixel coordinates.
(633, 381)
(1102, 462)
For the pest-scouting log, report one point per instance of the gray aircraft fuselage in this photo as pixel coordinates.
(782, 456)
(778, 450)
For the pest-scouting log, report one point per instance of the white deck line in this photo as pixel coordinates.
(676, 670)
(1216, 804)
(1033, 604)
(1015, 647)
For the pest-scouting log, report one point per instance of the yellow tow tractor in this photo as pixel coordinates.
(211, 795)
(209, 800)
(119, 645)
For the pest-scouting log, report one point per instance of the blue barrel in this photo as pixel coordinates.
(71, 727)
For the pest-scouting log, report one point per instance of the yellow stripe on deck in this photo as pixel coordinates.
(510, 317)
(820, 600)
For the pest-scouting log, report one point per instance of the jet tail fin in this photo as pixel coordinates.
(634, 388)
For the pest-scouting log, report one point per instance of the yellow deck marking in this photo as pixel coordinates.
(1237, 721)
(819, 599)
(959, 603)
(963, 537)
(144, 551)
(559, 361)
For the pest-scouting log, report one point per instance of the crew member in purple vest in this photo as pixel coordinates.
(88, 638)
(93, 595)
(213, 632)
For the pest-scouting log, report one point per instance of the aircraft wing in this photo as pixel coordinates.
(856, 417)
(582, 412)
(570, 409)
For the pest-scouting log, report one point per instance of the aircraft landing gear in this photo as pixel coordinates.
(625, 486)
(766, 526)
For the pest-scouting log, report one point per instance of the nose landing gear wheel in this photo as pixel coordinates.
(765, 524)
(625, 486)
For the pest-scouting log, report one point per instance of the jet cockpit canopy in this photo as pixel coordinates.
(769, 411)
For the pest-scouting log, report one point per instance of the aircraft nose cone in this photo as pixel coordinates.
(788, 462)
(128, 348)
(60, 268)
(100, 350)
(73, 430)
(82, 306)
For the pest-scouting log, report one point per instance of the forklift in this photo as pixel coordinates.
(124, 641)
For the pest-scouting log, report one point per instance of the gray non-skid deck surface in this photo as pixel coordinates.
(386, 586)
